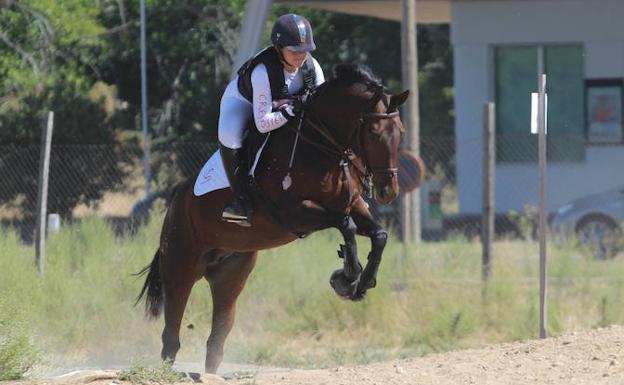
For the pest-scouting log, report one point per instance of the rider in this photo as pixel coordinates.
(281, 71)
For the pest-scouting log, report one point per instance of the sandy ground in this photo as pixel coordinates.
(591, 357)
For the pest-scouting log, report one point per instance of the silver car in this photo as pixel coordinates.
(596, 220)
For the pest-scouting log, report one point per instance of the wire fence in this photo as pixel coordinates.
(108, 181)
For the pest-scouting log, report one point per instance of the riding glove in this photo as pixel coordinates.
(290, 111)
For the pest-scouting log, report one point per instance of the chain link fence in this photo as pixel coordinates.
(108, 181)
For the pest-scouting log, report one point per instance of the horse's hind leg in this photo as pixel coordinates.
(227, 280)
(179, 272)
(176, 296)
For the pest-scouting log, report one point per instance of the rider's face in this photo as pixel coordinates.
(293, 59)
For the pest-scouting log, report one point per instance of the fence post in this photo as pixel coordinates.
(487, 219)
(144, 117)
(42, 193)
(541, 126)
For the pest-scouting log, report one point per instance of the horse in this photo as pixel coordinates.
(311, 176)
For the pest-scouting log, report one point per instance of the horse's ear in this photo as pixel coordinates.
(397, 100)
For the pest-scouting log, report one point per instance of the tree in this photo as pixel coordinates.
(190, 46)
(46, 63)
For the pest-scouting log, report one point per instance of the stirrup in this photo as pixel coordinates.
(239, 219)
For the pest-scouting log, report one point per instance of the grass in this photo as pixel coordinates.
(162, 374)
(429, 298)
(17, 353)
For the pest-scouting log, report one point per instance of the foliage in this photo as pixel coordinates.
(163, 374)
(46, 57)
(190, 47)
(17, 353)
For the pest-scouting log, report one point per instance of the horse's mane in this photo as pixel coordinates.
(347, 74)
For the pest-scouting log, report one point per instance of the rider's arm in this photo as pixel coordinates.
(266, 120)
(320, 77)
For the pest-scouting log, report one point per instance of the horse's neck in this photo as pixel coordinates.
(338, 123)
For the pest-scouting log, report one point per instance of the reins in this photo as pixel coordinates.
(345, 153)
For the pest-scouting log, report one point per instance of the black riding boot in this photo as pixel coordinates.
(238, 210)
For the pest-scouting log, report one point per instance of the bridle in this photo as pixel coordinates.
(345, 153)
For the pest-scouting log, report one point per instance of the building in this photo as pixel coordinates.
(499, 48)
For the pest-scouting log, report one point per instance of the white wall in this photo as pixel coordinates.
(479, 25)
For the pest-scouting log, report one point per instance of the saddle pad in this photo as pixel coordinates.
(212, 176)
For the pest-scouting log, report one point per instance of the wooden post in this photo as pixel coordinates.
(42, 194)
(487, 224)
(144, 117)
(541, 124)
(410, 202)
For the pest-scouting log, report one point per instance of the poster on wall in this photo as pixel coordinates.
(604, 111)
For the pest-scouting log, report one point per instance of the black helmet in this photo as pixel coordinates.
(293, 32)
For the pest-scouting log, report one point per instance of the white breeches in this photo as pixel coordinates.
(235, 115)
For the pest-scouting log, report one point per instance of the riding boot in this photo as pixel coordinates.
(238, 210)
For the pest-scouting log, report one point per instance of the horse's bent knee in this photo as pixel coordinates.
(348, 225)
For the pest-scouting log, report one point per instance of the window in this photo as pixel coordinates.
(604, 111)
(516, 77)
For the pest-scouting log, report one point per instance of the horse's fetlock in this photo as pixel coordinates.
(380, 236)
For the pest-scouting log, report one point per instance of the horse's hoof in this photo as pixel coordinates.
(342, 286)
(358, 296)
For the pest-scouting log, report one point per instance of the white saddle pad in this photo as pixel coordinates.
(212, 176)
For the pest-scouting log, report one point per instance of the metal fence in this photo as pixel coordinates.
(108, 181)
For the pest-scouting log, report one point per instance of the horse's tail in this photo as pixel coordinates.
(153, 288)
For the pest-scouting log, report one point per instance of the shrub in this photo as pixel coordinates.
(17, 354)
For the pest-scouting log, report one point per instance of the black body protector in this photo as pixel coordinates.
(271, 60)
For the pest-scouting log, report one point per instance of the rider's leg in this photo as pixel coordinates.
(238, 210)
(235, 114)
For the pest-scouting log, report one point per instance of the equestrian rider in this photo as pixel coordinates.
(281, 71)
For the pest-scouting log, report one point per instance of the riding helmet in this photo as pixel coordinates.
(293, 32)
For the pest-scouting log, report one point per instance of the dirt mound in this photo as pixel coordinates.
(589, 357)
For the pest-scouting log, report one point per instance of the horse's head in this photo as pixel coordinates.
(380, 135)
(366, 119)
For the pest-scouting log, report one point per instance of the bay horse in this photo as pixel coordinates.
(348, 142)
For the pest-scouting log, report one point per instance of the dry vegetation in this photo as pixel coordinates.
(429, 299)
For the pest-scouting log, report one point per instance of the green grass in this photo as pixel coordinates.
(429, 298)
(17, 352)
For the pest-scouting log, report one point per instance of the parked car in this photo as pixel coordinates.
(596, 220)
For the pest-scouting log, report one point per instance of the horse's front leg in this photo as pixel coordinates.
(310, 216)
(367, 226)
(346, 280)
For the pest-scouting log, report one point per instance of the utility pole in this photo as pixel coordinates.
(256, 16)
(410, 202)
